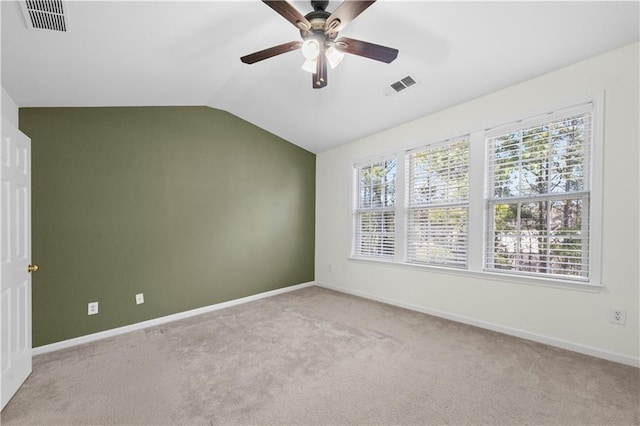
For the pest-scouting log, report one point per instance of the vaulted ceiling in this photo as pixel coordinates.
(125, 53)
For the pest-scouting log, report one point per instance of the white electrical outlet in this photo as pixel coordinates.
(618, 316)
(330, 268)
(92, 308)
(139, 298)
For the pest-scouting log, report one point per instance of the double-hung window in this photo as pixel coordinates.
(438, 204)
(374, 212)
(520, 199)
(538, 194)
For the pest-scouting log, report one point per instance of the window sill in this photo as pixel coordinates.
(491, 276)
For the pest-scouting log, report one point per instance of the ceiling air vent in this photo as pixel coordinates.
(45, 14)
(400, 85)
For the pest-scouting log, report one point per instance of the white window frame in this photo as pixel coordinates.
(478, 211)
(358, 209)
(586, 195)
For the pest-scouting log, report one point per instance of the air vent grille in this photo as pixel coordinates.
(45, 14)
(400, 85)
(408, 81)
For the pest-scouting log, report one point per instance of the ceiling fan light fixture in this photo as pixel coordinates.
(310, 65)
(310, 49)
(334, 56)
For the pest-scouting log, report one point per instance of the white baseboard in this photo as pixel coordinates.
(162, 320)
(551, 341)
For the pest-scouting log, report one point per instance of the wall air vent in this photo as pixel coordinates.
(400, 85)
(45, 14)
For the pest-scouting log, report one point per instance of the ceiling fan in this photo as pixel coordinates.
(319, 30)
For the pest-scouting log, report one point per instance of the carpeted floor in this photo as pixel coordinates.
(314, 356)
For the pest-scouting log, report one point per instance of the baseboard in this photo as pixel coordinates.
(551, 341)
(564, 344)
(162, 320)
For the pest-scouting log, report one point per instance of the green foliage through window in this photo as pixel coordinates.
(375, 215)
(538, 204)
(519, 204)
(438, 204)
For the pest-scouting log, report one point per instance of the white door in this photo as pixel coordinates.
(15, 256)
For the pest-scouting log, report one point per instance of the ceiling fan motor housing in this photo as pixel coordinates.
(319, 4)
(318, 20)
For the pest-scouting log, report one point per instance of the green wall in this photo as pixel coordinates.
(189, 205)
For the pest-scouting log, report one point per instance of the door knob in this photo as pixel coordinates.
(32, 268)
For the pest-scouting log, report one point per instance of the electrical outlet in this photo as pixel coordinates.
(139, 298)
(92, 308)
(618, 316)
(330, 268)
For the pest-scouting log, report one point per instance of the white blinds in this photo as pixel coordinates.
(376, 234)
(538, 196)
(375, 209)
(437, 212)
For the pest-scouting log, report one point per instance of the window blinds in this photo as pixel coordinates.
(538, 195)
(437, 204)
(375, 209)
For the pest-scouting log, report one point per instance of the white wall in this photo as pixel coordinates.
(9, 108)
(564, 317)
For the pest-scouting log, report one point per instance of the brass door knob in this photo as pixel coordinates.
(32, 268)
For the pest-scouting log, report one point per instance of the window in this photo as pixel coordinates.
(375, 215)
(538, 197)
(438, 204)
(522, 199)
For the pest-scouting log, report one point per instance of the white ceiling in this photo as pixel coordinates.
(123, 53)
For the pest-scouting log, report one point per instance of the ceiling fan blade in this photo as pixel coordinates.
(366, 49)
(270, 52)
(289, 13)
(346, 12)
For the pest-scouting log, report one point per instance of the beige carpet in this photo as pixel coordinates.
(314, 356)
